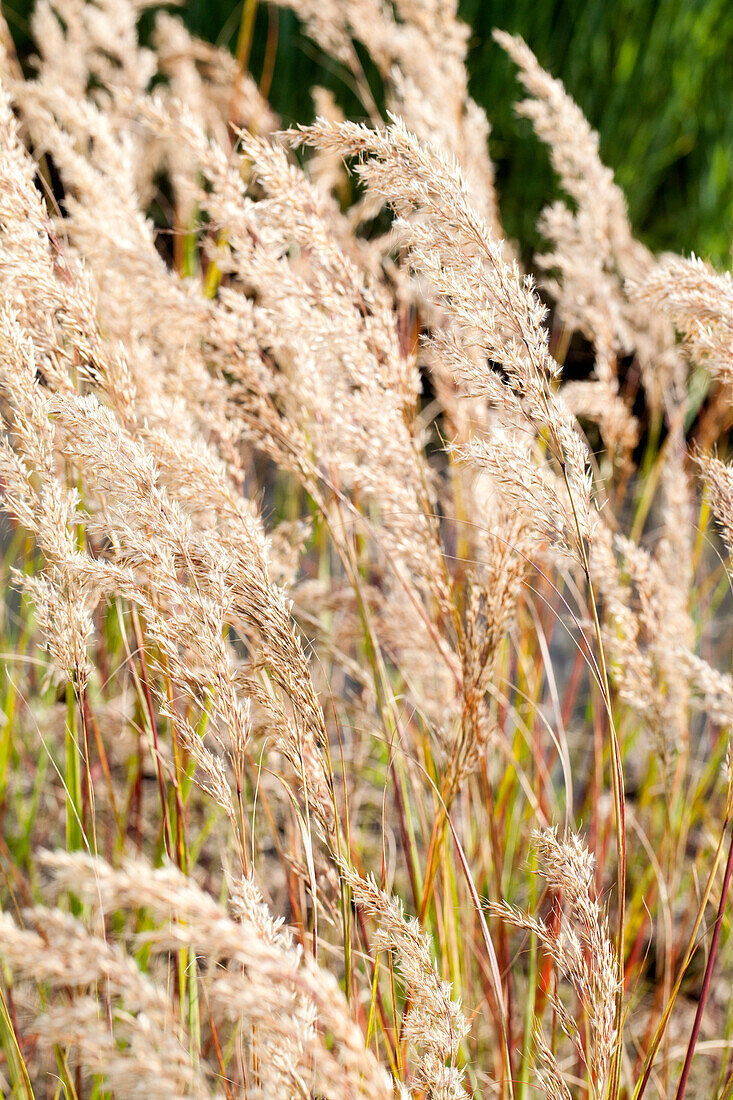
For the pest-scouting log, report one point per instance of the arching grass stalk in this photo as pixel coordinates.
(708, 971)
(617, 780)
(692, 945)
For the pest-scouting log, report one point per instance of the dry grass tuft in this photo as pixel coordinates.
(365, 723)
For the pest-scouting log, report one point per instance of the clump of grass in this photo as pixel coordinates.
(366, 711)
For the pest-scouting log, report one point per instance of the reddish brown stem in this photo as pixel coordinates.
(708, 975)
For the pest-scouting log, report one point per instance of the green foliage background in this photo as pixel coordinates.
(655, 77)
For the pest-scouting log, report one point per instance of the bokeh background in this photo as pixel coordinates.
(655, 77)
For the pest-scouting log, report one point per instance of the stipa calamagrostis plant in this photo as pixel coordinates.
(582, 951)
(336, 596)
(492, 309)
(594, 253)
(282, 1004)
